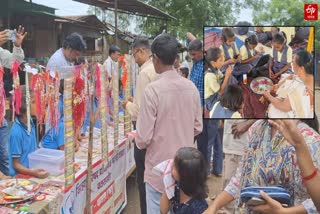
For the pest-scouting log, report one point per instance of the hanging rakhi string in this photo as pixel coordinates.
(16, 97)
(78, 100)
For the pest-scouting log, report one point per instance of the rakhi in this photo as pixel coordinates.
(98, 82)
(38, 89)
(2, 97)
(52, 97)
(127, 93)
(78, 100)
(34, 72)
(16, 98)
(124, 71)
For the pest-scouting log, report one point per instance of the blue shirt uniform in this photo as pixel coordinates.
(54, 138)
(22, 144)
(86, 123)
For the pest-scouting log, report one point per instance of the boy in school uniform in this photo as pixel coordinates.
(54, 139)
(23, 142)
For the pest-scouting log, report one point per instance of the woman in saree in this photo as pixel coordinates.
(289, 130)
(270, 160)
(295, 93)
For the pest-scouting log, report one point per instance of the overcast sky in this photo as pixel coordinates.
(69, 7)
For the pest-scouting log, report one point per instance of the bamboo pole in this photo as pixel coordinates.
(115, 98)
(90, 146)
(68, 133)
(127, 90)
(103, 115)
(28, 102)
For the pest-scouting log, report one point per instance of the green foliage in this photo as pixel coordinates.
(191, 16)
(285, 13)
(108, 16)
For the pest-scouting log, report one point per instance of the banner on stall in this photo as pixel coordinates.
(108, 186)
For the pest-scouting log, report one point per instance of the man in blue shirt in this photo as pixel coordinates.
(197, 72)
(23, 142)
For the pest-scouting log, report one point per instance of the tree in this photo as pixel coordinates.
(284, 13)
(107, 16)
(191, 16)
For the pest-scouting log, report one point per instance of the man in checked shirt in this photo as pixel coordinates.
(196, 76)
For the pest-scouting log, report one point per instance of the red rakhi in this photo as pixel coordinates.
(37, 86)
(2, 97)
(16, 98)
(98, 83)
(78, 100)
(52, 98)
(125, 72)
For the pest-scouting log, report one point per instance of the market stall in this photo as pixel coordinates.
(105, 155)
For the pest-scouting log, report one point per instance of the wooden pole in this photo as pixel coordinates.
(115, 98)
(127, 94)
(28, 102)
(103, 115)
(90, 146)
(69, 149)
(116, 19)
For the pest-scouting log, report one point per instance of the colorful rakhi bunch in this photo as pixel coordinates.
(16, 97)
(125, 72)
(127, 89)
(38, 82)
(78, 100)
(52, 98)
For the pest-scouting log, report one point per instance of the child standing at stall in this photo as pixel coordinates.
(281, 57)
(190, 190)
(23, 142)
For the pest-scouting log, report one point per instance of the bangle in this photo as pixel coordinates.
(309, 177)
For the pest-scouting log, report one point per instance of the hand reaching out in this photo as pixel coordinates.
(289, 130)
(4, 37)
(20, 36)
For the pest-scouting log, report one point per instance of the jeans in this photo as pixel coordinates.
(4, 148)
(202, 140)
(153, 199)
(215, 144)
(139, 158)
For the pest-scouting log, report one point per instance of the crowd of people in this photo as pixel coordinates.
(167, 109)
